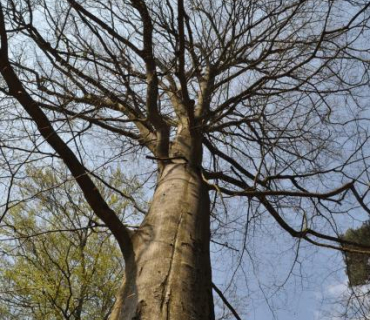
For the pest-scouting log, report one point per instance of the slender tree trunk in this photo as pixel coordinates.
(169, 276)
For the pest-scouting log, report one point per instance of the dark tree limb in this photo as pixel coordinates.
(79, 172)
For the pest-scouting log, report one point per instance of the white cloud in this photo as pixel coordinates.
(337, 290)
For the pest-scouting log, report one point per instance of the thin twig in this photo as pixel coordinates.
(223, 298)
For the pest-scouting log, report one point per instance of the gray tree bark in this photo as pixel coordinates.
(169, 275)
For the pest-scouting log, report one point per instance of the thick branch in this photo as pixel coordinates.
(154, 115)
(92, 195)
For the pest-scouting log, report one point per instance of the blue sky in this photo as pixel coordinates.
(270, 287)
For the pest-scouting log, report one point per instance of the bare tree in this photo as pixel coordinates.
(262, 100)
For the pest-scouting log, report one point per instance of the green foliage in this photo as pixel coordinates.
(358, 265)
(60, 263)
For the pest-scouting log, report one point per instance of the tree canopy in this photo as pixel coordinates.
(358, 267)
(57, 261)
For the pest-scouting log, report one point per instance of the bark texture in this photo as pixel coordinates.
(169, 275)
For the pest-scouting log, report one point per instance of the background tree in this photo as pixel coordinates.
(58, 263)
(358, 268)
(263, 101)
(353, 302)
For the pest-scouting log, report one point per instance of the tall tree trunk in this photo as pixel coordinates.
(169, 276)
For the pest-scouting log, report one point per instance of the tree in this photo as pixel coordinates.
(257, 100)
(59, 264)
(354, 301)
(358, 268)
